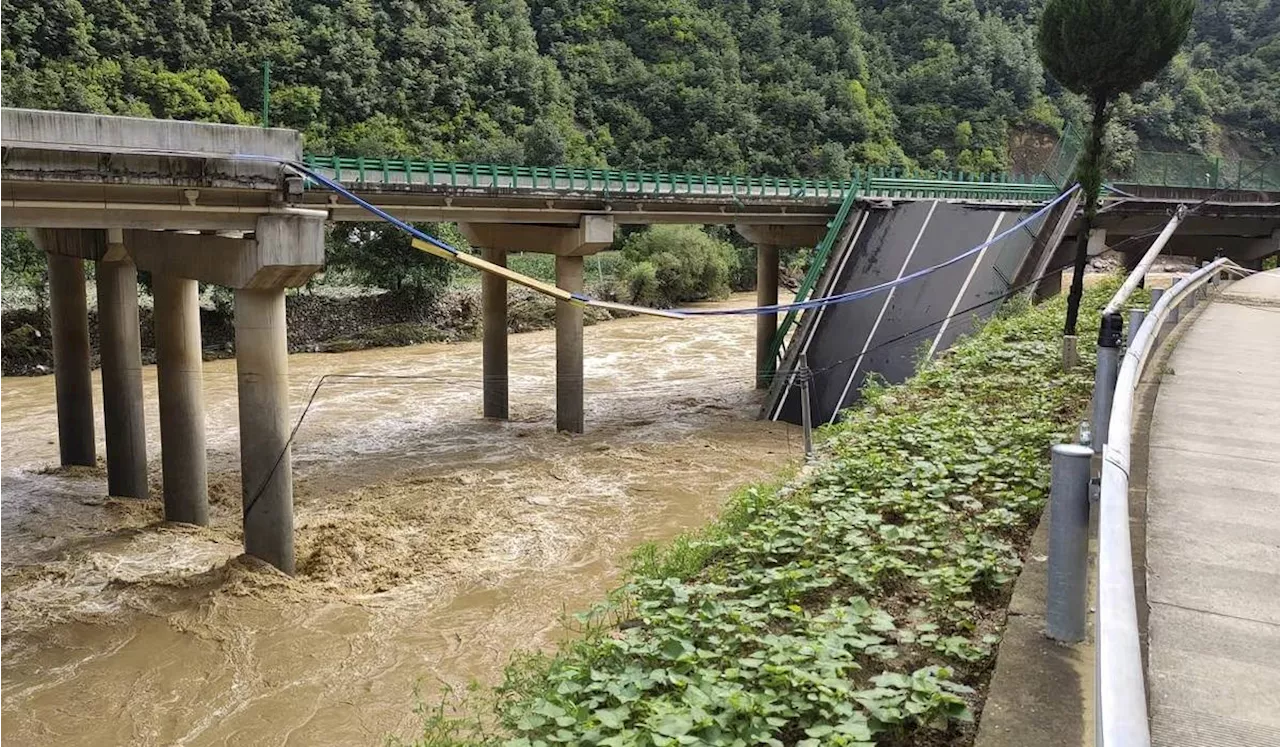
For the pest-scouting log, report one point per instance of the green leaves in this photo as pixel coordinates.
(851, 607)
(1101, 48)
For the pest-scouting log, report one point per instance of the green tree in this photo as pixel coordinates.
(665, 265)
(1100, 49)
(24, 265)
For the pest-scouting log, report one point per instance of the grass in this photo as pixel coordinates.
(857, 603)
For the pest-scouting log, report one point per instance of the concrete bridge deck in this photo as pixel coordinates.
(1213, 527)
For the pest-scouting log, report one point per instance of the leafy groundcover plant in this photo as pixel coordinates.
(857, 604)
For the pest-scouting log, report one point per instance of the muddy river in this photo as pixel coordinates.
(431, 543)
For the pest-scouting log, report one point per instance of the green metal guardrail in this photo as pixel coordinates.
(1156, 169)
(928, 189)
(896, 181)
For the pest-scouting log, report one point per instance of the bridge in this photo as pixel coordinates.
(243, 208)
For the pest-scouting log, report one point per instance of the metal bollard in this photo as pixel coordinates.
(1066, 608)
(1135, 321)
(1104, 377)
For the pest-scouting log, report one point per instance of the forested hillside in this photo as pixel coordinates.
(784, 87)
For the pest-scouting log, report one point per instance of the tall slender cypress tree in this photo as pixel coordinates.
(1100, 49)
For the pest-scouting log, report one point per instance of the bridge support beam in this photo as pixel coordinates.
(121, 354)
(569, 399)
(69, 317)
(262, 371)
(493, 299)
(570, 244)
(766, 324)
(289, 248)
(180, 385)
(66, 249)
(769, 240)
(286, 249)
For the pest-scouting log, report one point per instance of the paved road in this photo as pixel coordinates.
(1213, 527)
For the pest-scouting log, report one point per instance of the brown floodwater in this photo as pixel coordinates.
(431, 543)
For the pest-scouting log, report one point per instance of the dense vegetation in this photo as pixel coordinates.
(856, 605)
(803, 87)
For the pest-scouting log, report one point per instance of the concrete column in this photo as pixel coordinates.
(262, 367)
(1048, 287)
(493, 298)
(1097, 241)
(121, 355)
(180, 381)
(766, 324)
(569, 416)
(69, 316)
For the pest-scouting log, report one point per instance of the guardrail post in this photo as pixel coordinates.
(1135, 320)
(1066, 607)
(1104, 378)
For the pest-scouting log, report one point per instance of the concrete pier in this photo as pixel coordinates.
(69, 317)
(121, 354)
(766, 324)
(569, 405)
(262, 368)
(180, 385)
(493, 299)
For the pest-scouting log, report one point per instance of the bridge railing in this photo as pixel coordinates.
(1157, 169)
(881, 181)
(1120, 695)
(1194, 170)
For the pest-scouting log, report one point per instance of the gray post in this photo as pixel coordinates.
(569, 416)
(1104, 377)
(1066, 609)
(266, 475)
(766, 324)
(180, 389)
(121, 353)
(73, 384)
(493, 298)
(1135, 321)
(806, 416)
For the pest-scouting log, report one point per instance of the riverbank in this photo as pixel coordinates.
(317, 323)
(860, 603)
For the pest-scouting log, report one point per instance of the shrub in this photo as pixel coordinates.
(667, 265)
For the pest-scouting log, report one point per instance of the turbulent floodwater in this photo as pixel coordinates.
(431, 544)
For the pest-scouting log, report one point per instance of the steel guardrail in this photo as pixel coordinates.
(1120, 694)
